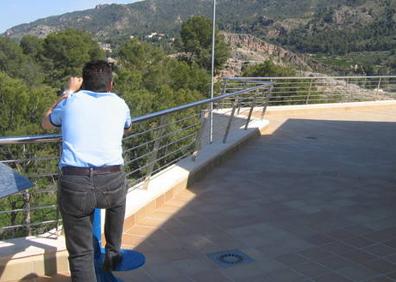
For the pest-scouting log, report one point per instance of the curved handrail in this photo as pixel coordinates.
(57, 137)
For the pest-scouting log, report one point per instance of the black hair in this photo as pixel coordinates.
(97, 76)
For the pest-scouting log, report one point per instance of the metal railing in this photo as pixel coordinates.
(316, 89)
(158, 140)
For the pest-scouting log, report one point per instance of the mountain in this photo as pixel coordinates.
(165, 16)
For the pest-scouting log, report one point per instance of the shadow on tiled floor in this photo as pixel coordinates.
(314, 201)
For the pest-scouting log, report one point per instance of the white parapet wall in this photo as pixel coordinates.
(331, 106)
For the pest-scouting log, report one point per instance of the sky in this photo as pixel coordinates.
(14, 12)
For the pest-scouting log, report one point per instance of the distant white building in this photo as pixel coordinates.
(153, 34)
(112, 61)
(106, 47)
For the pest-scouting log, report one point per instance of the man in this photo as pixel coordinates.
(92, 120)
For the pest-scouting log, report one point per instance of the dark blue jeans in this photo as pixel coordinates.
(78, 197)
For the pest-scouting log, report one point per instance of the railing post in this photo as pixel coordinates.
(26, 210)
(238, 99)
(227, 131)
(224, 86)
(378, 87)
(267, 100)
(238, 104)
(198, 141)
(57, 194)
(26, 205)
(309, 92)
(57, 217)
(154, 154)
(223, 91)
(251, 110)
(346, 86)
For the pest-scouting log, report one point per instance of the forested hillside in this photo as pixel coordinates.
(349, 36)
(32, 71)
(363, 37)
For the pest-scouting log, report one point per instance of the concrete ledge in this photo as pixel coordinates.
(32, 256)
(46, 255)
(332, 106)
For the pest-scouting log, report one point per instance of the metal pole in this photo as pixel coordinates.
(227, 131)
(309, 92)
(153, 158)
(267, 101)
(97, 232)
(198, 141)
(251, 110)
(213, 70)
(378, 87)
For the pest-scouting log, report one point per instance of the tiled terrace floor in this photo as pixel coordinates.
(312, 200)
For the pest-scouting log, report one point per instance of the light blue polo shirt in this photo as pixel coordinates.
(92, 128)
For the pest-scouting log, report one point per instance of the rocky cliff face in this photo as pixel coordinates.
(248, 49)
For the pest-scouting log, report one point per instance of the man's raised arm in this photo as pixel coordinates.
(73, 85)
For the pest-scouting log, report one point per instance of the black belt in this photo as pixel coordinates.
(72, 170)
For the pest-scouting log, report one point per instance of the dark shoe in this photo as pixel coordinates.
(111, 261)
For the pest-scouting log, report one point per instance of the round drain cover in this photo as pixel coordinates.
(231, 258)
